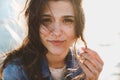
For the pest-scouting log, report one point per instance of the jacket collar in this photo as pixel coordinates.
(45, 68)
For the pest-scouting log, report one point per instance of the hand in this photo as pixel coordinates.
(91, 64)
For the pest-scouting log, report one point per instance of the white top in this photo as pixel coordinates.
(57, 74)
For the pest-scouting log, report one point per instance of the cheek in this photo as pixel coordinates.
(43, 31)
(70, 32)
(70, 36)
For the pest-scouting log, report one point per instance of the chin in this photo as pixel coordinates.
(58, 52)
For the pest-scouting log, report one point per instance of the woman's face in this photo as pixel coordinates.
(57, 30)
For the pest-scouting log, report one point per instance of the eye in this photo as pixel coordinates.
(46, 21)
(68, 21)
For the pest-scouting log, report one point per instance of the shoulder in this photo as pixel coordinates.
(14, 71)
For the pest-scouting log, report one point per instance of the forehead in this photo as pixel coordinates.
(61, 7)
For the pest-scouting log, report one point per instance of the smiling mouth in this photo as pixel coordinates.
(56, 42)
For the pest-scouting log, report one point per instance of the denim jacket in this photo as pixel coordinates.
(15, 71)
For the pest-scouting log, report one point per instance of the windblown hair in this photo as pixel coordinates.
(32, 49)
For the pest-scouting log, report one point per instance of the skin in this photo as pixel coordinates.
(93, 64)
(57, 34)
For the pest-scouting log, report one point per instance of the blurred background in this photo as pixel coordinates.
(102, 31)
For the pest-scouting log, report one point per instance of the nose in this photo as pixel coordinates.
(57, 30)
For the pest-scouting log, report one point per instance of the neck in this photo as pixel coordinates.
(56, 61)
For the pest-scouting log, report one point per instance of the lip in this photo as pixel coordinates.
(56, 42)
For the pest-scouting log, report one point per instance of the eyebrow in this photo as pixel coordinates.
(65, 16)
(68, 16)
(46, 15)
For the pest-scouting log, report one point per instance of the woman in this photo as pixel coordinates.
(53, 27)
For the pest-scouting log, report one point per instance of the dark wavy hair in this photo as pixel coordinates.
(32, 49)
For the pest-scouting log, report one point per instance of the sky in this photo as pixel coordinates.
(102, 31)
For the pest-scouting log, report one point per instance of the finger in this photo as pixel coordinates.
(93, 54)
(92, 62)
(89, 74)
(91, 67)
(91, 59)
